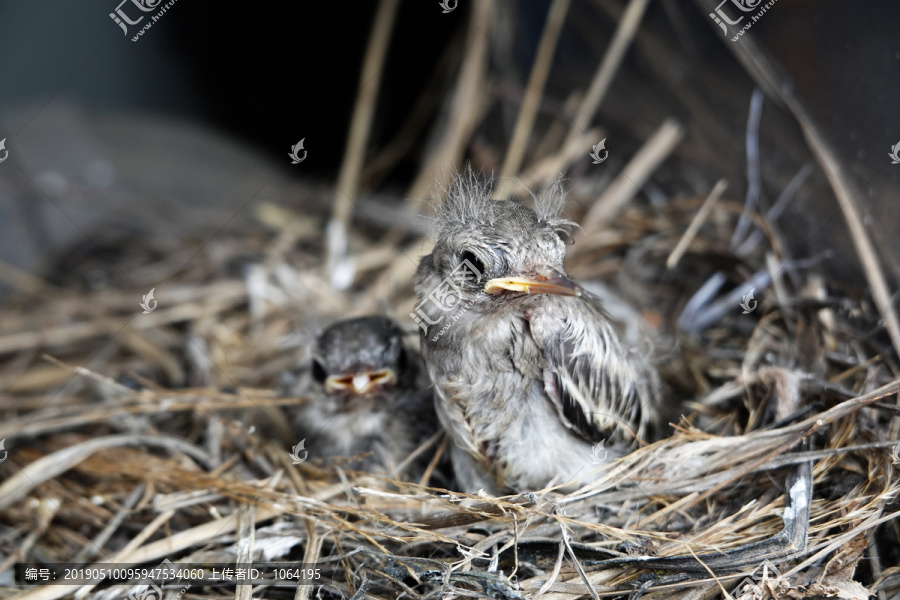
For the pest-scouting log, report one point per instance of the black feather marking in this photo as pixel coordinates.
(558, 385)
(596, 386)
(574, 418)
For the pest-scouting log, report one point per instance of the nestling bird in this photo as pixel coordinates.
(528, 371)
(369, 394)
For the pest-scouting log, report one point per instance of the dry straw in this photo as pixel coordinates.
(135, 438)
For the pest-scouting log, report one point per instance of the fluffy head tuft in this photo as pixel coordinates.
(549, 206)
(468, 200)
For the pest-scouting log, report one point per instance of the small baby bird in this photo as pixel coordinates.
(369, 394)
(529, 373)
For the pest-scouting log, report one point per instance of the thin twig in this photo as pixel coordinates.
(577, 563)
(754, 184)
(515, 152)
(464, 106)
(696, 223)
(347, 186)
(246, 540)
(612, 59)
(90, 551)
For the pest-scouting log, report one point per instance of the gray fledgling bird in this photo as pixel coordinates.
(529, 373)
(368, 392)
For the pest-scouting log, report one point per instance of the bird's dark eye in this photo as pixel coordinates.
(318, 371)
(469, 256)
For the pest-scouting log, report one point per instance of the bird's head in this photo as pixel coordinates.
(494, 250)
(359, 359)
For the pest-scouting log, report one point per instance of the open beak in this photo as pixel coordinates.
(360, 384)
(551, 283)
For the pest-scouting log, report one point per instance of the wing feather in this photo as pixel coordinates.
(601, 390)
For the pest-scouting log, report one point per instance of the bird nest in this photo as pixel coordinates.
(779, 456)
(134, 437)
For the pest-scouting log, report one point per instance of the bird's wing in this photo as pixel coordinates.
(601, 389)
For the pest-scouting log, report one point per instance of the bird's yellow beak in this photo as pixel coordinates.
(554, 283)
(361, 383)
